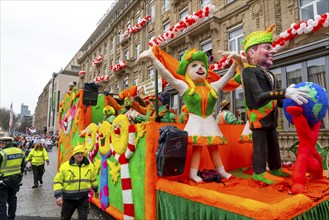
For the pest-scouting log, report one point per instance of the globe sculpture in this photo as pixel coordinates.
(316, 108)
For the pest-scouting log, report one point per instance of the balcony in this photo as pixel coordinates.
(126, 69)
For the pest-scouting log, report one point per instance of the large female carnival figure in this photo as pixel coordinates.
(200, 97)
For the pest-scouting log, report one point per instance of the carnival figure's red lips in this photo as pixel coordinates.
(200, 73)
(117, 131)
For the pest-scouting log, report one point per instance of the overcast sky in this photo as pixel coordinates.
(39, 38)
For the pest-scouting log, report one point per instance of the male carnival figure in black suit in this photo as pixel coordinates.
(263, 96)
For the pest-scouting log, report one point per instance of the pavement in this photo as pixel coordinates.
(40, 203)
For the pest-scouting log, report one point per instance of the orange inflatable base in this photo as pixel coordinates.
(246, 197)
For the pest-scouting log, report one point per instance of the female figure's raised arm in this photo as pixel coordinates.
(237, 62)
(179, 85)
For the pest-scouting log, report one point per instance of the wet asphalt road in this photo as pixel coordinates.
(39, 203)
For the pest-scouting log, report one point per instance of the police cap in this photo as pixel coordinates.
(6, 139)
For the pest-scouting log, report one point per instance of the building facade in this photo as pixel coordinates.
(305, 58)
(58, 87)
(41, 110)
(46, 111)
(24, 111)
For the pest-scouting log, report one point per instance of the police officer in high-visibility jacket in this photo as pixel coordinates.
(12, 164)
(72, 184)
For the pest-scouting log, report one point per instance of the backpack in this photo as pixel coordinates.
(171, 152)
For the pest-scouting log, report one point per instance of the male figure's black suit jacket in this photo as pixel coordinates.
(259, 90)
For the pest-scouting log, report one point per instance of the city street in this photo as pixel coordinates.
(40, 203)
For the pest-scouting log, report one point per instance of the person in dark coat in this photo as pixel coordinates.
(263, 97)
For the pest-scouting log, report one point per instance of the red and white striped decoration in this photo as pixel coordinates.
(98, 60)
(303, 27)
(188, 21)
(118, 66)
(123, 159)
(102, 78)
(136, 28)
(82, 73)
(222, 64)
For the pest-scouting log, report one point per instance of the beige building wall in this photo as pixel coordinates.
(41, 109)
(57, 90)
(229, 17)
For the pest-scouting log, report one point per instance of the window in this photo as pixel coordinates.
(125, 83)
(118, 58)
(128, 24)
(138, 19)
(294, 74)
(151, 35)
(183, 13)
(234, 40)
(229, 1)
(110, 88)
(316, 69)
(111, 45)
(311, 70)
(137, 50)
(90, 66)
(152, 11)
(309, 8)
(150, 73)
(111, 62)
(174, 104)
(135, 79)
(165, 5)
(117, 88)
(119, 37)
(206, 46)
(105, 48)
(166, 26)
(180, 54)
(238, 104)
(127, 54)
(105, 69)
(204, 3)
(281, 118)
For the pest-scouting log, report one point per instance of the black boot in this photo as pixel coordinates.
(35, 186)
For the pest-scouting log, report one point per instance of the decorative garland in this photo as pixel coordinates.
(188, 21)
(300, 28)
(222, 64)
(136, 28)
(118, 66)
(102, 78)
(82, 73)
(98, 60)
(303, 27)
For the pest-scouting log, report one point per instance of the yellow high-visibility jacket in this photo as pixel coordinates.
(37, 157)
(73, 181)
(11, 162)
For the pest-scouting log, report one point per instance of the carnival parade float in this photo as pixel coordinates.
(124, 155)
